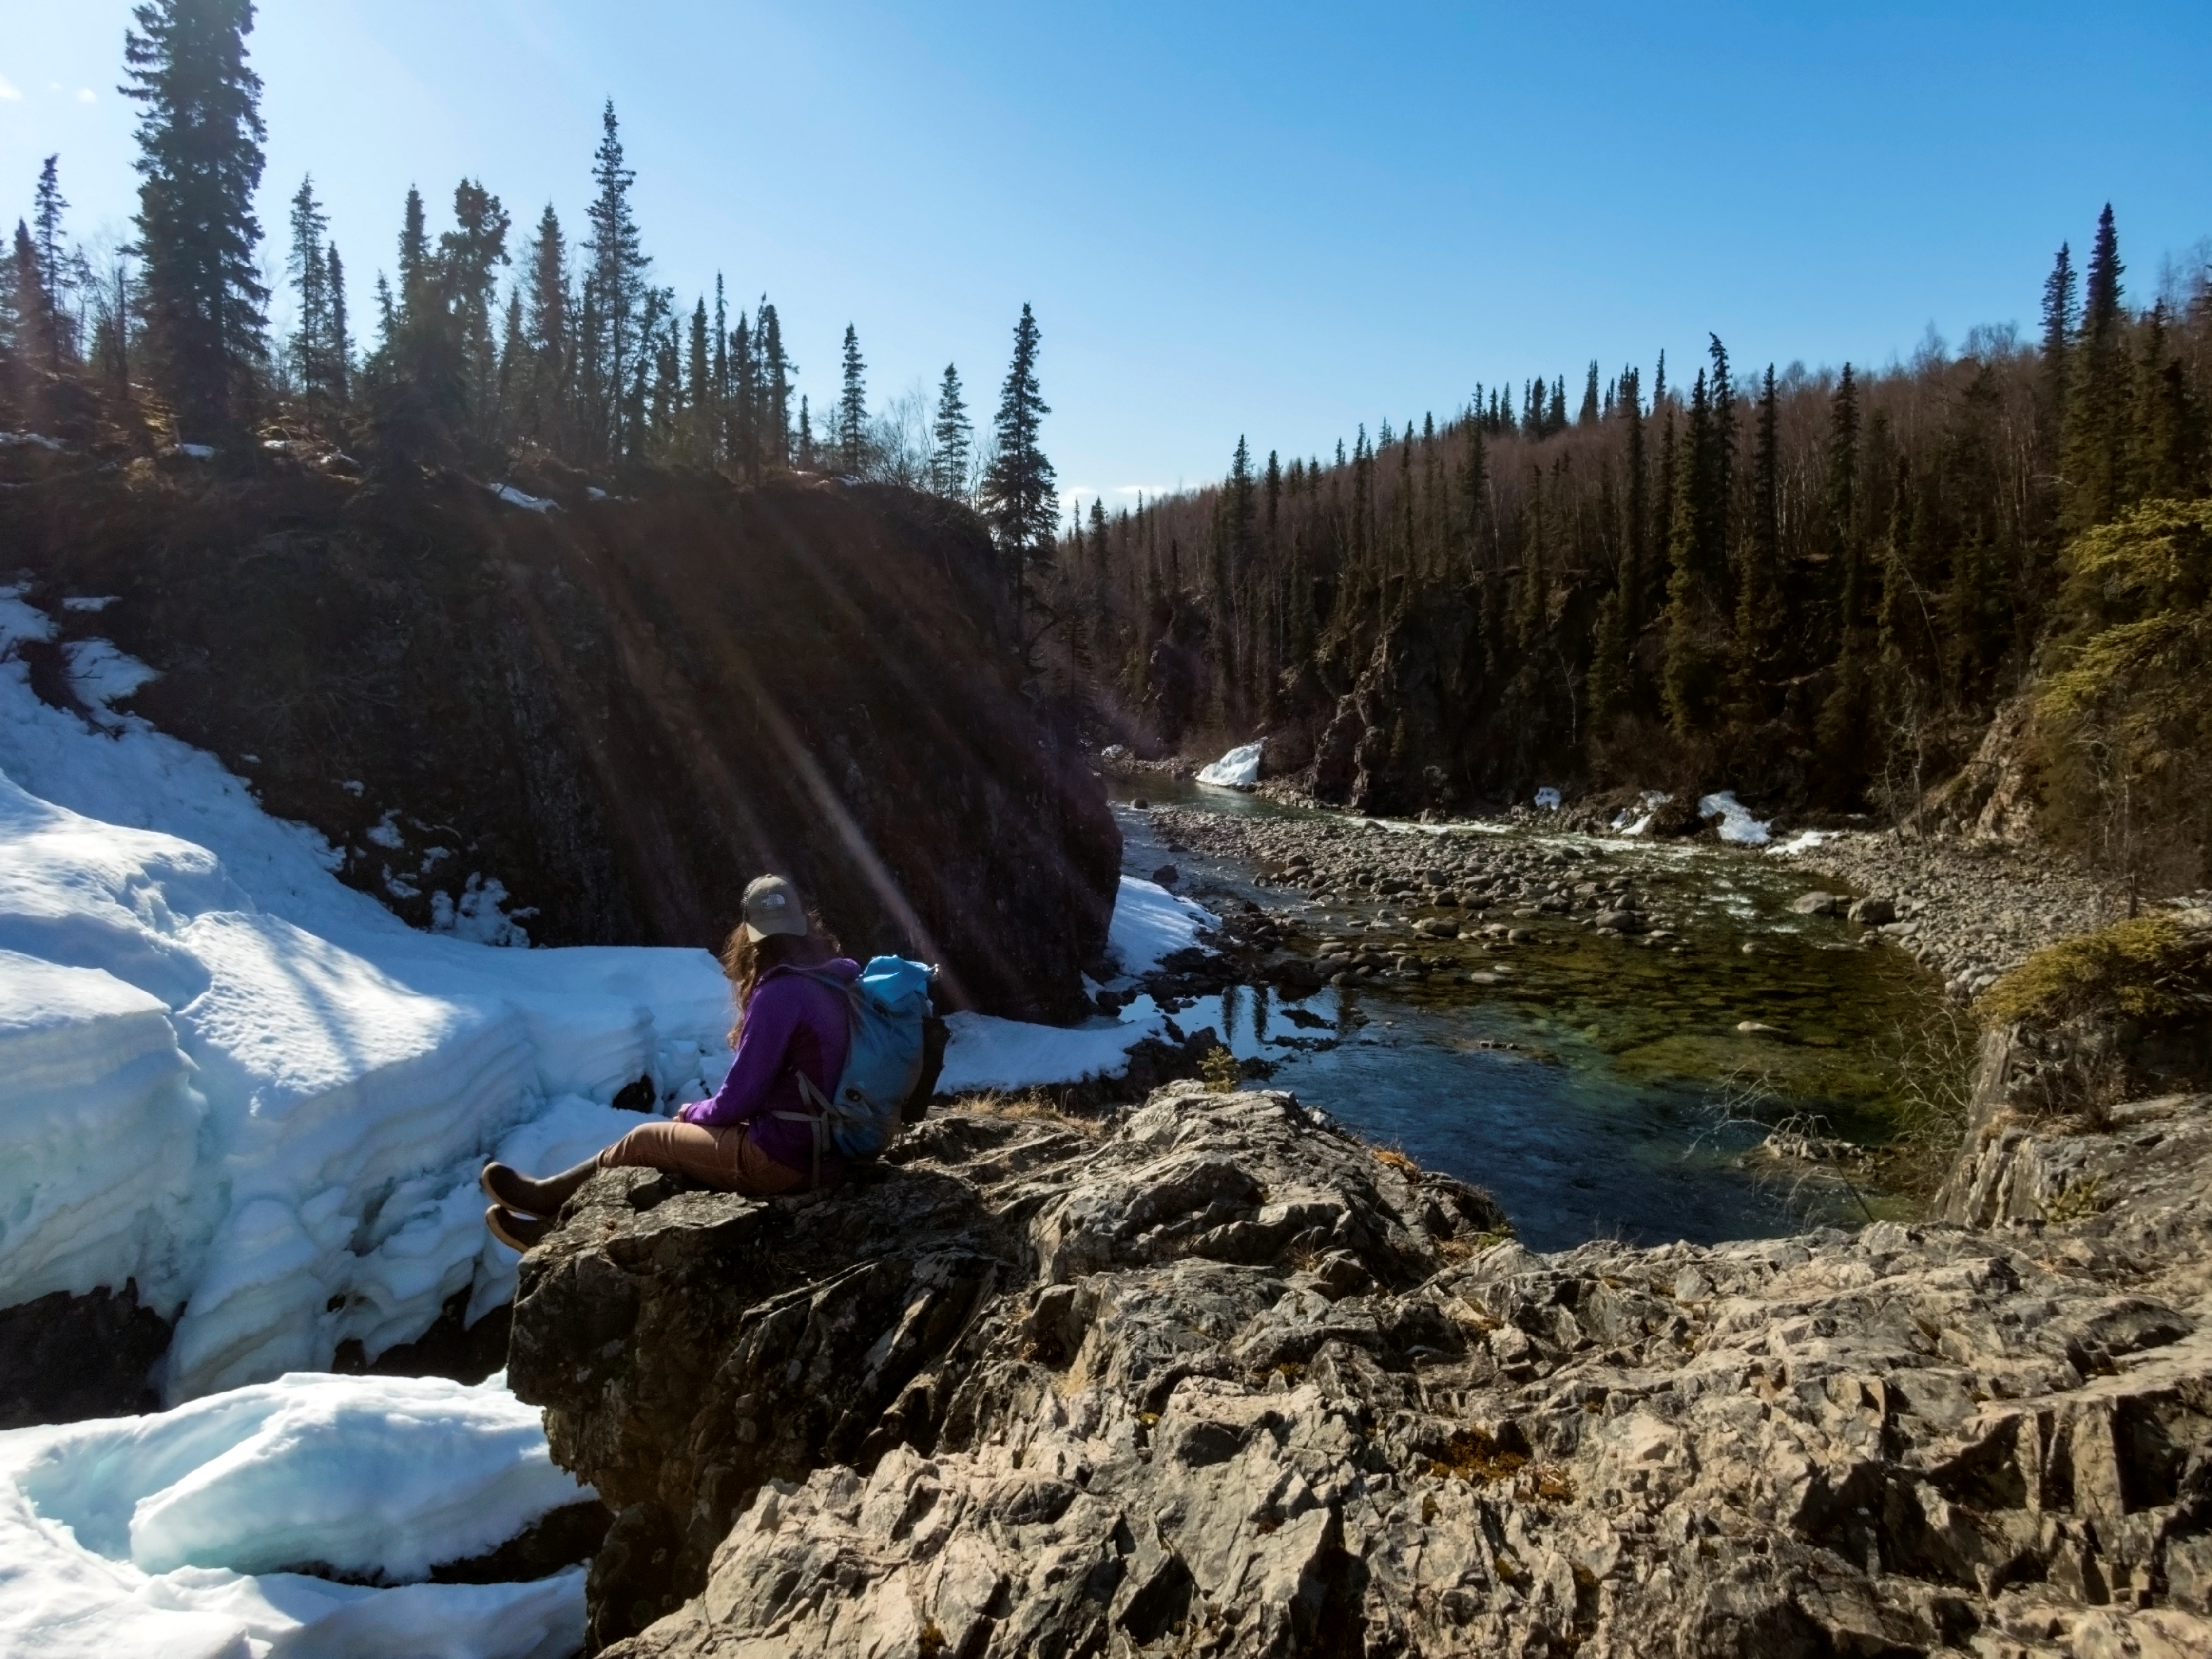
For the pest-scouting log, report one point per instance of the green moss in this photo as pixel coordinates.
(2150, 969)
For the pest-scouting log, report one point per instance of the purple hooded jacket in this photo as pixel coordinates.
(794, 1025)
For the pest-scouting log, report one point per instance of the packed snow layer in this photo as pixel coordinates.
(1151, 924)
(170, 1534)
(253, 1090)
(1736, 823)
(92, 1065)
(987, 1053)
(1238, 769)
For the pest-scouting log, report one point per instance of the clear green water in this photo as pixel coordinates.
(1603, 1087)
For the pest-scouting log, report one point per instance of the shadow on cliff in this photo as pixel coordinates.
(618, 709)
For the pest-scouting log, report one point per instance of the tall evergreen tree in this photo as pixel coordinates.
(467, 278)
(310, 275)
(699, 388)
(54, 271)
(954, 439)
(547, 331)
(2058, 322)
(616, 285)
(1758, 617)
(199, 163)
(853, 407)
(2093, 463)
(1589, 415)
(1018, 489)
(338, 364)
(777, 371)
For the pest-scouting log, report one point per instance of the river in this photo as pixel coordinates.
(1599, 1088)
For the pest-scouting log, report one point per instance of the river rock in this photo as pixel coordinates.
(1440, 927)
(1220, 1379)
(1817, 904)
(1620, 922)
(1874, 911)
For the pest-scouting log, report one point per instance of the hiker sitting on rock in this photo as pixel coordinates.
(767, 1129)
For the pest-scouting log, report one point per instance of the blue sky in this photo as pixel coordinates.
(1278, 221)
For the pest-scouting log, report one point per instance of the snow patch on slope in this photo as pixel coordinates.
(253, 1089)
(168, 1534)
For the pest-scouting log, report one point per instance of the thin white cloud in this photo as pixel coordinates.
(1145, 490)
(8, 92)
(84, 95)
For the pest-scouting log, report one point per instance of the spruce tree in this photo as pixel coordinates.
(853, 409)
(1589, 415)
(2093, 462)
(777, 371)
(1759, 593)
(547, 331)
(57, 345)
(699, 390)
(955, 439)
(338, 360)
(615, 283)
(199, 163)
(310, 277)
(467, 278)
(1017, 490)
(1840, 507)
(2058, 322)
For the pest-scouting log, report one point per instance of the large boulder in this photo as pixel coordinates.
(619, 710)
(1221, 1379)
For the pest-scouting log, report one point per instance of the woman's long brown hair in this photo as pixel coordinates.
(745, 960)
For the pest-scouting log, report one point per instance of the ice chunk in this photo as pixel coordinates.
(191, 452)
(168, 1535)
(1238, 769)
(1150, 924)
(89, 602)
(1547, 800)
(1736, 823)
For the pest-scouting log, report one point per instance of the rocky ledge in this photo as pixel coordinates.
(1220, 1379)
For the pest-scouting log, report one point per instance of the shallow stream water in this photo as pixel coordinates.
(1601, 1087)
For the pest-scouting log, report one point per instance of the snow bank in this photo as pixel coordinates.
(1151, 924)
(169, 1534)
(988, 1053)
(1737, 825)
(253, 1089)
(1238, 769)
(1547, 800)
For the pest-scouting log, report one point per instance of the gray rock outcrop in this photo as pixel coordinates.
(1221, 1380)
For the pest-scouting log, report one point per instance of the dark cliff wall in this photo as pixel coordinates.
(622, 710)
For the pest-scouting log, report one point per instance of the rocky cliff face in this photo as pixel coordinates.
(1221, 1380)
(618, 709)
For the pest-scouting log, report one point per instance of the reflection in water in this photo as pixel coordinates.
(1580, 1090)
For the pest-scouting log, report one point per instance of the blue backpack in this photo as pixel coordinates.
(892, 1069)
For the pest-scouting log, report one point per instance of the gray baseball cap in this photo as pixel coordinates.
(772, 906)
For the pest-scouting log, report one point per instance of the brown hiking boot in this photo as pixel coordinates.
(517, 1232)
(521, 1193)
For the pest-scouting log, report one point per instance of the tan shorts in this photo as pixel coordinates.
(725, 1158)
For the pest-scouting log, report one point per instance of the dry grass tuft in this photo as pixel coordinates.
(1031, 1105)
